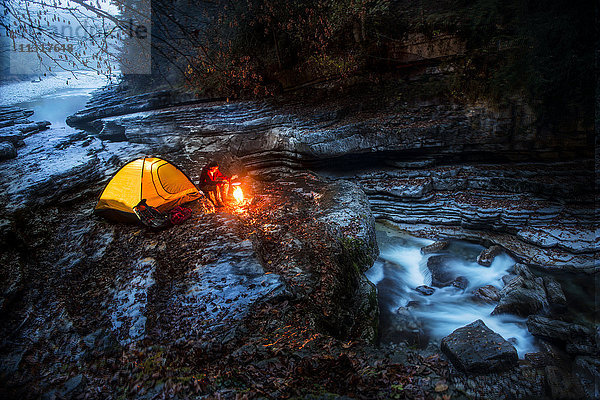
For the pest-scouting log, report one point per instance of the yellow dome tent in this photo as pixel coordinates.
(162, 184)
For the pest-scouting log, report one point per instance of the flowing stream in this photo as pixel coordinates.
(60, 155)
(406, 314)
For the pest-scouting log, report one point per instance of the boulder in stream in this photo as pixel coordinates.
(425, 290)
(556, 296)
(486, 257)
(522, 270)
(404, 326)
(560, 331)
(487, 293)
(441, 276)
(475, 348)
(460, 282)
(506, 279)
(522, 297)
(435, 247)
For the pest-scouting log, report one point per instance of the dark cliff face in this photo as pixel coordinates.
(531, 60)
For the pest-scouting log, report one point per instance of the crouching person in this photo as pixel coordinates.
(215, 185)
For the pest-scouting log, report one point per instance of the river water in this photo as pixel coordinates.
(68, 92)
(401, 268)
(52, 156)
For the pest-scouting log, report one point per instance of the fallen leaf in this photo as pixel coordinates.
(441, 387)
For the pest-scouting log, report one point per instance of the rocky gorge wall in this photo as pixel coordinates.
(438, 169)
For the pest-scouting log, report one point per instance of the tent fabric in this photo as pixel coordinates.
(162, 184)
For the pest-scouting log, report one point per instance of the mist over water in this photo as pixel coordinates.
(401, 268)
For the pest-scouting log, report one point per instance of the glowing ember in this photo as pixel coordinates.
(238, 195)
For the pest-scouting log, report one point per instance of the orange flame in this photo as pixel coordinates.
(238, 195)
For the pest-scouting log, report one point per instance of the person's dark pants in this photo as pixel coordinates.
(217, 193)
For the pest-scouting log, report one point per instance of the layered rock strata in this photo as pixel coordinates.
(15, 126)
(433, 169)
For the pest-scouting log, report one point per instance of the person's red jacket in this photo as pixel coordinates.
(207, 180)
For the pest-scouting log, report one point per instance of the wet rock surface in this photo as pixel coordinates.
(487, 293)
(527, 207)
(441, 274)
(435, 247)
(487, 256)
(561, 331)
(205, 287)
(460, 282)
(477, 349)
(445, 201)
(115, 99)
(587, 369)
(522, 297)
(15, 126)
(7, 150)
(281, 274)
(336, 242)
(425, 290)
(562, 384)
(556, 296)
(524, 383)
(405, 327)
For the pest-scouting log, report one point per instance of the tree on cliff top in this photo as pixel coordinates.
(540, 52)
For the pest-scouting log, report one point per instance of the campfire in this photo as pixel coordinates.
(238, 194)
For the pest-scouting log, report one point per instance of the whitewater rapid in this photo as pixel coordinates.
(402, 267)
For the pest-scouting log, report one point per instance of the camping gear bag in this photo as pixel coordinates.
(152, 218)
(179, 214)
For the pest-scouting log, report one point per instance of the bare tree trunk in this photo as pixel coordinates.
(363, 30)
(356, 31)
(277, 49)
